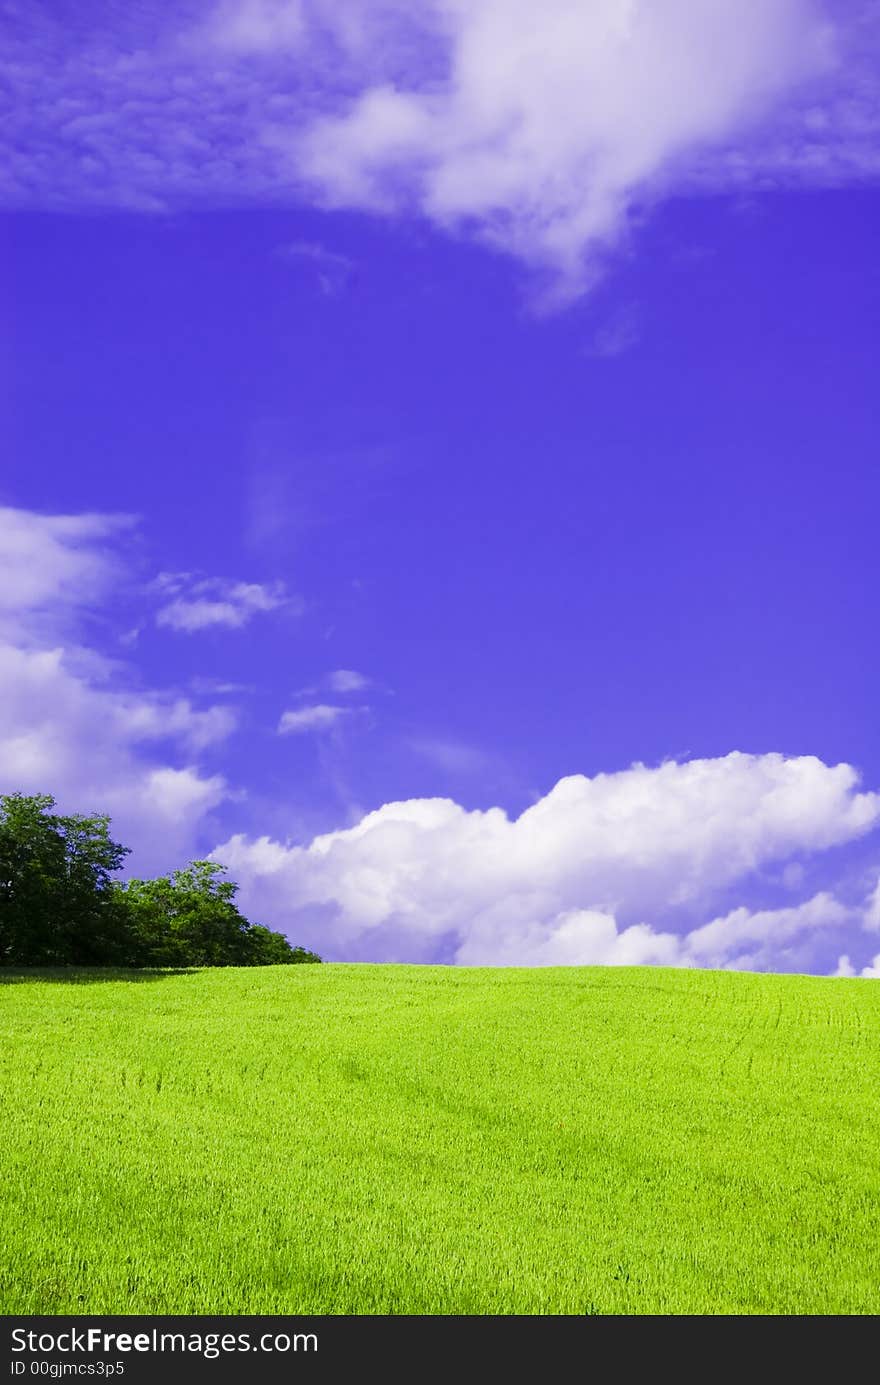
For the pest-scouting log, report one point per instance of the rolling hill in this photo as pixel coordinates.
(397, 1139)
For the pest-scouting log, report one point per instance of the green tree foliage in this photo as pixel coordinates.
(59, 906)
(55, 884)
(190, 919)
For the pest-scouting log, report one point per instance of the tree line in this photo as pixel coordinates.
(60, 907)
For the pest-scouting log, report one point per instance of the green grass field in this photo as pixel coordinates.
(390, 1139)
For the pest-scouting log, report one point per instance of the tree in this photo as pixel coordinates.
(56, 894)
(267, 949)
(190, 919)
(60, 907)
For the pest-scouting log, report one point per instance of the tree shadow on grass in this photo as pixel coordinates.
(89, 976)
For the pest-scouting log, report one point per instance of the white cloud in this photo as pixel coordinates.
(427, 873)
(576, 937)
(198, 604)
(319, 717)
(345, 680)
(147, 717)
(542, 136)
(199, 614)
(71, 724)
(759, 941)
(754, 940)
(538, 135)
(68, 735)
(178, 795)
(870, 919)
(845, 968)
(54, 566)
(219, 687)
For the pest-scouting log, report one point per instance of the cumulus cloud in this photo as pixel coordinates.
(198, 603)
(71, 721)
(318, 717)
(745, 940)
(179, 795)
(575, 937)
(870, 920)
(576, 875)
(845, 968)
(541, 137)
(755, 940)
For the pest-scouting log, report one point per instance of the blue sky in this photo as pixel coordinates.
(440, 469)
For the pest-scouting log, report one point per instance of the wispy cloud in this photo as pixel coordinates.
(538, 141)
(55, 568)
(332, 271)
(340, 681)
(219, 687)
(452, 756)
(198, 603)
(872, 910)
(319, 717)
(346, 680)
(618, 334)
